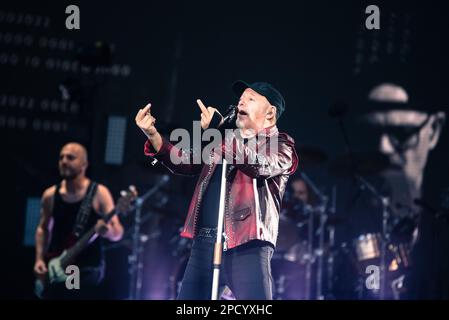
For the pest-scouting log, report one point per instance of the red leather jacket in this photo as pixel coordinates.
(253, 193)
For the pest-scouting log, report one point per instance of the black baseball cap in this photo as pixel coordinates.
(265, 89)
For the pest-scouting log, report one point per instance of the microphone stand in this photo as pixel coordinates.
(383, 200)
(322, 208)
(385, 203)
(310, 253)
(135, 259)
(330, 259)
(218, 247)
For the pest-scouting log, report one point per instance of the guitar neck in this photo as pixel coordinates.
(83, 242)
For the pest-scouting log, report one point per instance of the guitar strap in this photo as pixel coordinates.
(84, 211)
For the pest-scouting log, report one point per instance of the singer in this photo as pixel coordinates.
(253, 197)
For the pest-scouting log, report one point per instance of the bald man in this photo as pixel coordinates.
(61, 218)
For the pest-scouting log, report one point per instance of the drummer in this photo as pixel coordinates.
(298, 204)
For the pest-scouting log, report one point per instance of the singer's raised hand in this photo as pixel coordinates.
(145, 121)
(207, 114)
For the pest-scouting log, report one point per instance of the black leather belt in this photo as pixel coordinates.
(207, 233)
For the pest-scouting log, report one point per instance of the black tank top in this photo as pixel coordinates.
(211, 200)
(64, 218)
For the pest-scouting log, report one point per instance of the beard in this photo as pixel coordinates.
(68, 174)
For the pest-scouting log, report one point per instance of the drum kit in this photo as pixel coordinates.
(304, 262)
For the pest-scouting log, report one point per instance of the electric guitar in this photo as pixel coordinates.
(58, 261)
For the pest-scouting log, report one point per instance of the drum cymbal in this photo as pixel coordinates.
(366, 163)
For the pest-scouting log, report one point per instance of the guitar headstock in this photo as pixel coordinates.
(127, 197)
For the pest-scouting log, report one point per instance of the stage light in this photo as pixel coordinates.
(115, 141)
(33, 206)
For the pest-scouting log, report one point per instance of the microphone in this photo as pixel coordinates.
(226, 119)
(230, 114)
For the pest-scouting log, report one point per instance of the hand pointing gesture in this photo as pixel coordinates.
(207, 114)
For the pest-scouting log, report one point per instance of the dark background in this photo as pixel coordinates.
(170, 55)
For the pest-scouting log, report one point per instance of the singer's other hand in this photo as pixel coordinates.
(207, 115)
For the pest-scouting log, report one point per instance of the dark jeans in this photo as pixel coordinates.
(246, 270)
